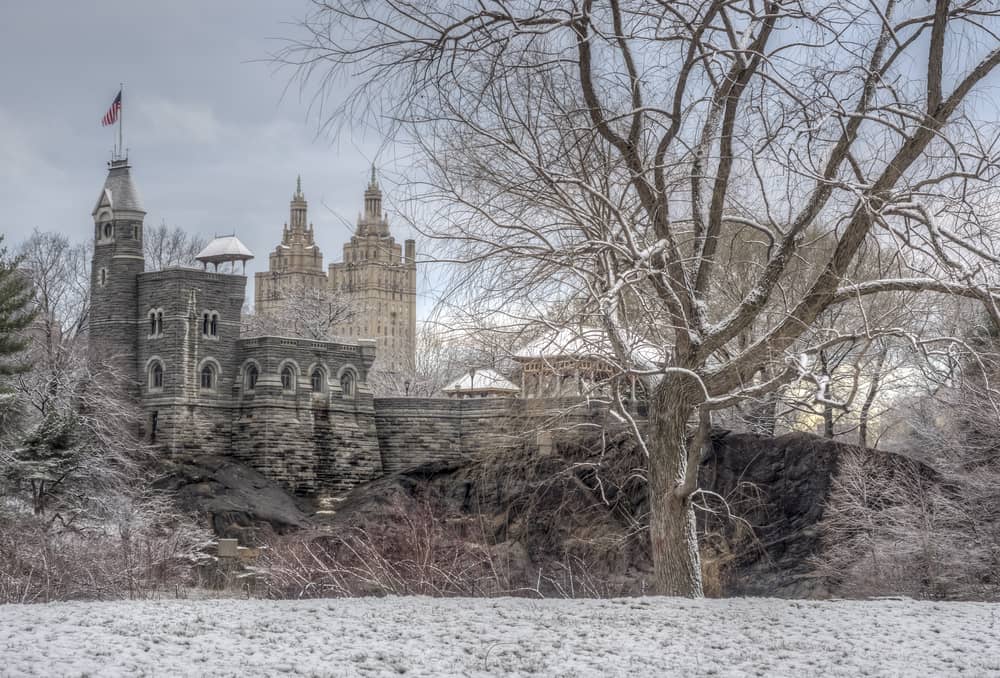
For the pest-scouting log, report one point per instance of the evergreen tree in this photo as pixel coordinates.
(16, 313)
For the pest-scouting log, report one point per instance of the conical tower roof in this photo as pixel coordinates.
(119, 192)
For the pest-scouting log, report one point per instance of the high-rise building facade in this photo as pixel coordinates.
(377, 277)
(295, 265)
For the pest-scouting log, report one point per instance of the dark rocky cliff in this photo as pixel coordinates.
(577, 509)
(574, 517)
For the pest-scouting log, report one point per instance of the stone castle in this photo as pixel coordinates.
(298, 410)
(377, 279)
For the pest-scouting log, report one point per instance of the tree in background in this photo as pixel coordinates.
(60, 274)
(77, 518)
(16, 313)
(164, 247)
(596, 156)
(304, 312)
(446, 350)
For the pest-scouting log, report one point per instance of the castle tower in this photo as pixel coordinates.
(295, 265)
(380, 277)
(118, 260)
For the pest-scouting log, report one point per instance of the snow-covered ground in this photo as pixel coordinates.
(515, 637)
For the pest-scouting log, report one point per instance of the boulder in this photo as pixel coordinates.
(237, 501)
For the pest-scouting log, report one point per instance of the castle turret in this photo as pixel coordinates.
(118, 259)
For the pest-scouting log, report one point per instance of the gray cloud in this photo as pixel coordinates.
(214, 138)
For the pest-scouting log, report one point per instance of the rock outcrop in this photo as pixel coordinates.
(237, 501)
(572, 521)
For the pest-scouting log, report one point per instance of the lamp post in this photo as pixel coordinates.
(406, 386)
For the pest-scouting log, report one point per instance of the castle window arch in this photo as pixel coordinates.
(250, 375)
(154, 374)
(209, 374)
(317, 379)
(348, 378)
(288, 371)
(107, 230)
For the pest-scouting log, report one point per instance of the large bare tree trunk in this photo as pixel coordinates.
(672, 531)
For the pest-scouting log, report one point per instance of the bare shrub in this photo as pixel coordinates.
(416, 552)
(418, 548)
(900, 528)
(143, 549)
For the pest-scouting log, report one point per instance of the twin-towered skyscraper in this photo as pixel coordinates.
(377, 277)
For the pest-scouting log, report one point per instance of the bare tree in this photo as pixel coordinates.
(596, 155)
(445, 349)
(304, 311)
(164, 247)
(60, 275)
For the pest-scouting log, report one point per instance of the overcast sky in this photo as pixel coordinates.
(214, 139)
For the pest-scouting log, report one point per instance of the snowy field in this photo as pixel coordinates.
(515, 637)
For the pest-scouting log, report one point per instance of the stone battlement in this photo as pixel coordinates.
(190, 274)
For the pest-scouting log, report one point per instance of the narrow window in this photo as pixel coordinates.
(317, 381)
(108, 230)
(208, 377)
(104, 277)
(152, 323)
(156, 375)
(347, 385)
(287, 379)
(159, 323)
(214, 325)
(204, 324)
(252, 375)
(154, 420)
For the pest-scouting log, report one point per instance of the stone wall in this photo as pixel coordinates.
(415, 431)
(315, 442)
(189, 417)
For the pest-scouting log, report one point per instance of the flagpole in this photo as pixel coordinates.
(121, 120)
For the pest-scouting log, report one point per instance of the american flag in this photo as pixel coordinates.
(111, 117)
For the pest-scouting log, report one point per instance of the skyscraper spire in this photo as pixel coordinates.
(298, 207)
(373, 204)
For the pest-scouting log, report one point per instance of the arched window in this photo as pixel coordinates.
(208, 377)
(155, 375)
(204, 324)
(159, 323)
(287, 378)
(316, 378)
(251, 377)
(108, 230)
(152, 323)
(347, 384)
(213, 326)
